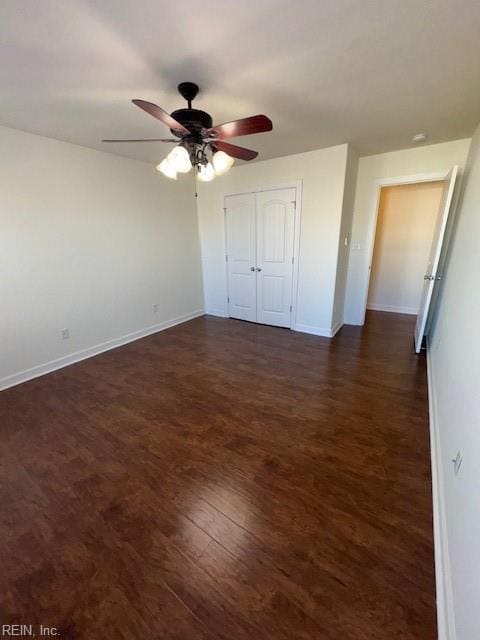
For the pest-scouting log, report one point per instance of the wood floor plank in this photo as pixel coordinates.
(223, 480)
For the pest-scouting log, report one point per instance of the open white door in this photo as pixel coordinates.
(432, 276)
(241, 256)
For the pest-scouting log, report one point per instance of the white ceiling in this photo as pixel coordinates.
(368, 72)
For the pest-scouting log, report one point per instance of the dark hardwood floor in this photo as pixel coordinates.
(223, 480)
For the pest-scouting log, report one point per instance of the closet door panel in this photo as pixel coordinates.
(275, 241)
(241, 256)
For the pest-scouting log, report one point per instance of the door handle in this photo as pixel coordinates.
(252, 268)
(258, 269)
(428, 277)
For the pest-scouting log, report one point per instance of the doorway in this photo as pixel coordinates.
(405, 224)
(412, 228)
(260, 241)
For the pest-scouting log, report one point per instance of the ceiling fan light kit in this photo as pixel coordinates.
(200, 144)
(180, 159)
(167, 169)
(222, 162)
(206, 172)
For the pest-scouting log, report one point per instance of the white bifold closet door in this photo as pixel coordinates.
(260, 245)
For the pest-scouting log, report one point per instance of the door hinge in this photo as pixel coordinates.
(226, 258)
(224, 209)
(292, 259)
(290, 308)
(294, 202)
(228, 299)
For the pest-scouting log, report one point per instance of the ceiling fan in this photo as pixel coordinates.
(200, 144)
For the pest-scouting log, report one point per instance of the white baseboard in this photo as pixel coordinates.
(221, 313)
(383, 307)
(301, 328)
(314, 331)
(336, 328)
(65, 361)
(318, 331)
(443, 578)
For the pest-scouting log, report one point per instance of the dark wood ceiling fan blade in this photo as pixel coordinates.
(235, 152)
(243, 127)
(161, 115)
(145, 140)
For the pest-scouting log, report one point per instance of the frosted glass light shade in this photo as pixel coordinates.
(167, 169)
(206, 172)
(180, 159)
(222, 162)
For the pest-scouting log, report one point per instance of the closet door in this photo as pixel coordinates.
(275, 239)
(241, 256)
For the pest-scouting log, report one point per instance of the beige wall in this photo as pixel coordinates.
(89, 241)
(322, 174)
(433, 158)
(405, 225)
(454, 377)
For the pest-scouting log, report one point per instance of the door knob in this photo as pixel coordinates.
(252, 268)
(258, 269)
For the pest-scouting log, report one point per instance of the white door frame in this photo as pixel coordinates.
(297, 185)
(372, 230)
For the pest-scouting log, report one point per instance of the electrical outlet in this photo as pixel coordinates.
(155, 307)
(457, 463)
(65, 333)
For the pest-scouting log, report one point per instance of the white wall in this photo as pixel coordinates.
(88, 241)
(454, 368)
(322, 174)
(406, 220)
(344, 239)
(427, 159)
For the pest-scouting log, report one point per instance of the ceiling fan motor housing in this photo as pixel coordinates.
(193, 119)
